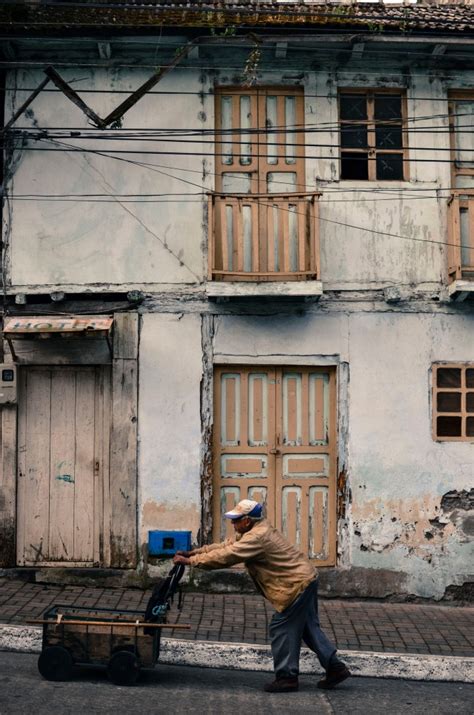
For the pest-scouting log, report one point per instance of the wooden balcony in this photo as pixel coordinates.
(264, 237)
(461, 243)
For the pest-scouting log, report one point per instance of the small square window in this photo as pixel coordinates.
(453, 402)
(449, 426)
(449, 377)
(354, 165)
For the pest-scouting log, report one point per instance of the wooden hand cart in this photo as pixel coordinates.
(119, 640)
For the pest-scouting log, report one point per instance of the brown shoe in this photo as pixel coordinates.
(334, 676)
(282, 685)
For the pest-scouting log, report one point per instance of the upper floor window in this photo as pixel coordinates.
(263, 224)
(461, 119)
(453, 402)
(461, 201)
(260, 140)
(373, 135)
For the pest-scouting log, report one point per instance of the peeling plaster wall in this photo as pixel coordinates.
(169, 424)
(116, 242)
(398, 473)
(396, 521)
(165, 243)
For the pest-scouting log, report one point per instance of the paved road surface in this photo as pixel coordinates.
(175, 689)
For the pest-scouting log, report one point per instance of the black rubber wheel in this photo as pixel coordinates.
(123, 668)
(55, 663)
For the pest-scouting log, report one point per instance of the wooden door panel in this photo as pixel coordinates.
(306, 463)
(62, 431)
(244, 466)
(275, 442)
(34, 468)
(85, 454)
(62, 470)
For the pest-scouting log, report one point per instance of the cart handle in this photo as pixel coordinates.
(140, 624)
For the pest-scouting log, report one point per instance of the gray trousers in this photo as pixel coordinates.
(300, 621)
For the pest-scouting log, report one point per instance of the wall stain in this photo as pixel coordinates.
(65, 478)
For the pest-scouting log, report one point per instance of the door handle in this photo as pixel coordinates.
(275, 451)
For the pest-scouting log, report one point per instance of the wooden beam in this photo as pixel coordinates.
(128, 103)
(8, 50)
(25, 105)
(281, 50)
(8, 421)
(123, 442)
(438, 50)
(357, 50)
(112, 624)
(73, 96)
(105, 50)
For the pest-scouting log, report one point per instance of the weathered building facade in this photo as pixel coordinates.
(254, 278)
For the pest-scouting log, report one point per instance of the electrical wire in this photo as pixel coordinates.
(255, 144)
(10, 64)
(155, 152)
(325, 220)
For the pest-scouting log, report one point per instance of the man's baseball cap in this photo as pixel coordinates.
(246, 507)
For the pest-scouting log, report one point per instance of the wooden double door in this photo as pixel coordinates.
(275, 442)
(64, 417)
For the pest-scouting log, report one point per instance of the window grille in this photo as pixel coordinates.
(453, 402)
(373, 135)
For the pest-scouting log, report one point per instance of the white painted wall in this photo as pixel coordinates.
(169, 424)
(156, 244)
(117, 242)
(397, 472)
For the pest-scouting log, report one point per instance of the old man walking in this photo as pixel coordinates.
(288, 580)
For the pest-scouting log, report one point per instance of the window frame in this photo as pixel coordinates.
(455, 96)
(258, 165)
(463, 390)
(372, 151)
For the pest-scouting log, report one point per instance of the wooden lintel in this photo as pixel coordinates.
(25, 105)
(281, 49)
(73, 96)
(105, 50)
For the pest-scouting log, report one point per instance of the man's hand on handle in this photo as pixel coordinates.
(182, 557)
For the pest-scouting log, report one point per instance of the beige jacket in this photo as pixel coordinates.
(279, 570)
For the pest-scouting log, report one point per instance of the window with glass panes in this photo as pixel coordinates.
(461, 239)
(453, 402)
(373, 136)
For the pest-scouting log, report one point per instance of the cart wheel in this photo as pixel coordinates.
(123, 668)
(55, 663)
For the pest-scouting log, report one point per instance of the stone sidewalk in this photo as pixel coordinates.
(354, 625)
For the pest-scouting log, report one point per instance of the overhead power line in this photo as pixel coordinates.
(296, 67)
(325, 220)
(156, 152)
(252, 145)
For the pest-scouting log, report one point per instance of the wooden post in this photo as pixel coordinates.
(123, 446)
(8, 487)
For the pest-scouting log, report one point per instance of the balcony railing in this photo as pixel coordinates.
(263, 237)
(461, 235)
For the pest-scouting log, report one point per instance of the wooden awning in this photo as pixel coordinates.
(43, 327)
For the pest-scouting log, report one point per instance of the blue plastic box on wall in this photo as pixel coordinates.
(166, 543)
